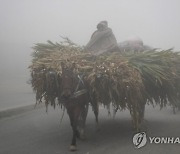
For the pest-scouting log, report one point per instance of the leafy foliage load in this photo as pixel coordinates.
(126, 80)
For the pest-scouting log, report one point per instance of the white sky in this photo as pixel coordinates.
(157, 22)
(25, 22)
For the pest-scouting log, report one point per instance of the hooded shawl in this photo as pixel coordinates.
(102, 40)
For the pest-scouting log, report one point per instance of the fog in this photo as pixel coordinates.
(24, 23)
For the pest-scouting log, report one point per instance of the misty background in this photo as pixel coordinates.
(26, 22)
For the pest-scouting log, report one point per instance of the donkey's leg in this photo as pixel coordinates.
(96, 113)
(137, 115)
(74, 116)
(174, 109)
(95, 106)
(82, 121)
(143, 124)
(73, 125)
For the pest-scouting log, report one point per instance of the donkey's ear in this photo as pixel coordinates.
(73, 66)
(62, 65)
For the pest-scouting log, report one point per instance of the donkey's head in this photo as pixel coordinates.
(68, 81)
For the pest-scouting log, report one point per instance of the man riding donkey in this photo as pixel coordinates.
(74, 90)
(102, 41)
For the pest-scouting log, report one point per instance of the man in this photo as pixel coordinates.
(102, 40)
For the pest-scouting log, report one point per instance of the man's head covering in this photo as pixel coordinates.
(102, 40)
(102, 24)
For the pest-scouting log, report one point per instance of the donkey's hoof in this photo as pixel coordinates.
(72, 148)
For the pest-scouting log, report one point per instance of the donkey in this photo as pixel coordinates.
(75, 98)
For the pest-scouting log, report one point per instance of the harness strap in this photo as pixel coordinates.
(79, 82)
(79, 93)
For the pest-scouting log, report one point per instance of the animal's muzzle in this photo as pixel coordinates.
(66, 94)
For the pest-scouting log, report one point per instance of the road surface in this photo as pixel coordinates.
(15, 92)
(36, 132)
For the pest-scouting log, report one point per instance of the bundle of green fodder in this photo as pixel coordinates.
(161, 75)
(47, 58)
(128, 81)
